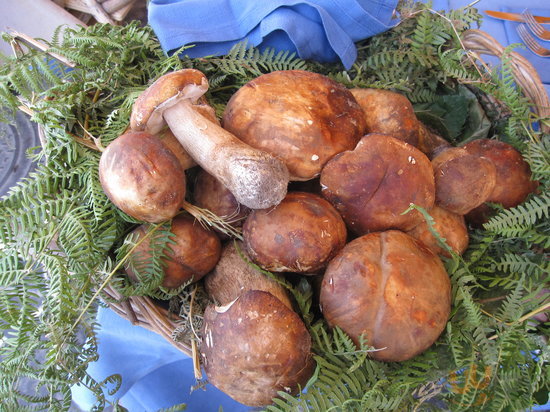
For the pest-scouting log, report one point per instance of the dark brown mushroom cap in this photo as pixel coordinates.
(142, 177)
(389, 113)
(300, 117)
(145, 114)
(233, 275)
(449, 225)
(209, 193)
(301, 234)
(391, 288)
(192, 253)
(463, 181)
(372, 185)
(513, 174)
(255, 347)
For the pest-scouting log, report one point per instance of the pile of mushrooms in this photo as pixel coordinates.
(320, 180)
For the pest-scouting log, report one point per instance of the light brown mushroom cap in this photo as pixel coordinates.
(163, 93)
(301, 117)
(142, 177)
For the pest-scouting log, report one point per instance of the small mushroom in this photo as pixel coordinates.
(388, 113)
(192, 252)
(372, 185)
(209, 193)
(301, 234)
(142, 177)
(513, 177)
(301, 117)
(233, 275)
(255, 347)
(450, 226)
(463, 181)
(391, 289)
(256, 179)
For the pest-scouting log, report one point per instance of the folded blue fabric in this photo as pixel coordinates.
(321, 30)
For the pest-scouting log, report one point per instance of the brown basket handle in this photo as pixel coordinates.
(525, 74)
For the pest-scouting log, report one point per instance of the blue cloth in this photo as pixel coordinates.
(155, 374)
(322, 30)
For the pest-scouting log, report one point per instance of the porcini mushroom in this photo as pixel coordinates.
(209, 193)
(513, 177)
(389, 113)
(450, 226)
(303, 118)
(463, 181)
(390, 288)
(256, 179)
(255, 347)
(301, 234)
(193, 252)
(142, 177)
(233, 275)
(372, 185)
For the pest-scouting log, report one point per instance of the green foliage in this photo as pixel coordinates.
(61, 238)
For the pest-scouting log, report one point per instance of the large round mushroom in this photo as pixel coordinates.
(142, 177)
(391, 289)
(372, 185)
(301, 234)
(255, 347)
(300, 117)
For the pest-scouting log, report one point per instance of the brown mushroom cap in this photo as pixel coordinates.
(301, 117)
(450, 226)
(389, 113)
(301, 234)
(192, 252)
(142, 177)
(463, 181)
(145, 112)
(233, 276)
(514, 182)
(209, 193)
(256, 347)
(391, 288)
(372, 185)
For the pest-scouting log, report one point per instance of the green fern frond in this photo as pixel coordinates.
(525, 214)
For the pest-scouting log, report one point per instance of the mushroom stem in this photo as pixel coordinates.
(257, 179)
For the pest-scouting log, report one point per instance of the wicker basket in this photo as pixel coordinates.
(145, 312)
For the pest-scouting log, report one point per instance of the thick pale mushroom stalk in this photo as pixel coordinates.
(257, 179)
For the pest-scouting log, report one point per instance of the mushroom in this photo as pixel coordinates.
(389, 113)
(463, 181)
(257, 179)
(301, 234)
(255, 347)
(513, 177)
(209, 193)
(450, 226)
(142, 177)
(191, 253)
(391, 289)
(372, 185)
(233, 275)
(301, 117)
